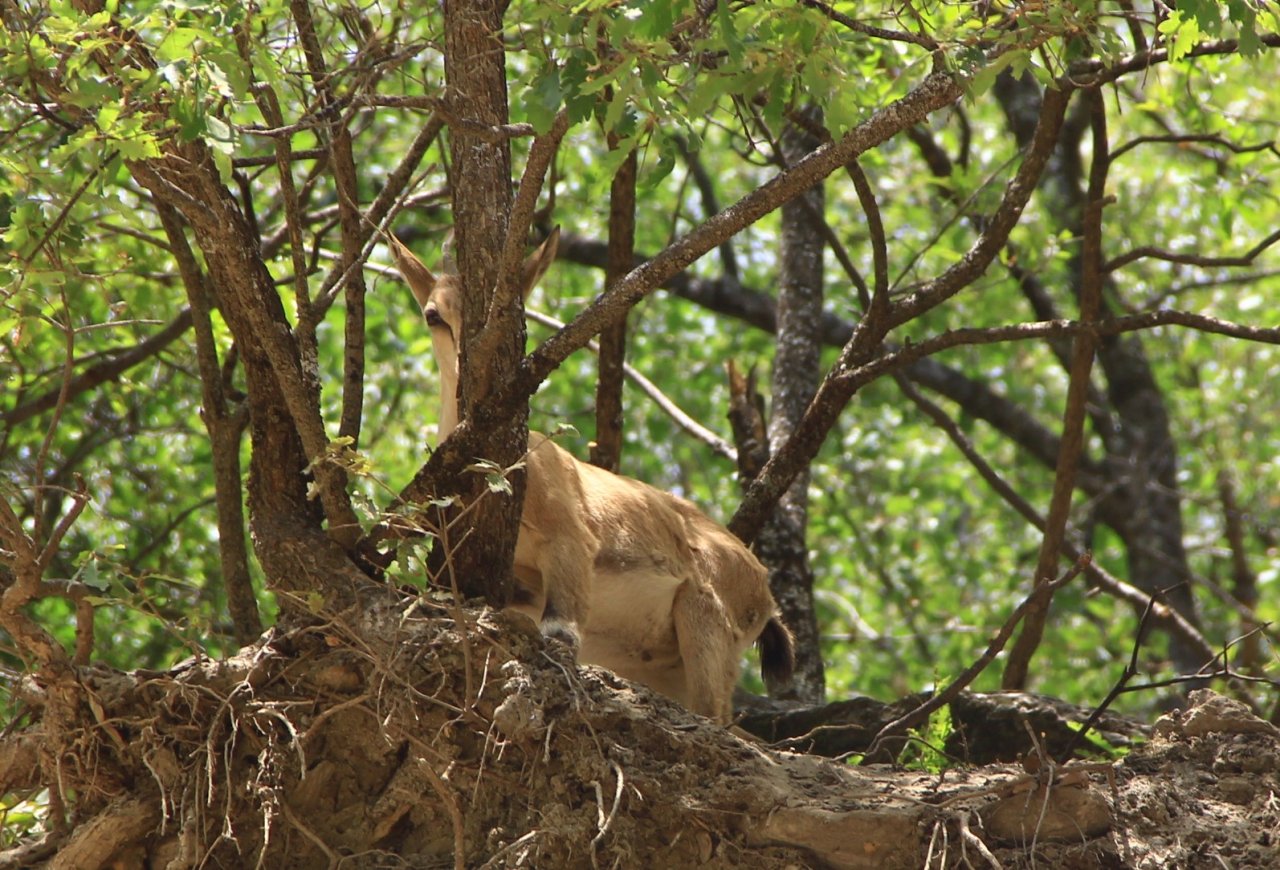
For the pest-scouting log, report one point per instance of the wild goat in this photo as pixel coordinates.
(643, 582)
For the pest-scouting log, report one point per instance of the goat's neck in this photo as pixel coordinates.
(447, 361)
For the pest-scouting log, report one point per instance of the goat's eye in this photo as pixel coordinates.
(432, 316)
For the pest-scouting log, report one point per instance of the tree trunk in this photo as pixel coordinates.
(783, 544)
(606, 452)
(475, 72)
(296, 555)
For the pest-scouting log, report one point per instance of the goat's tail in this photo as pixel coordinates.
(777, 653)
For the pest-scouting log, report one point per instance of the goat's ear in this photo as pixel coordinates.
(447, 263)
(537, 263)
(418, 276)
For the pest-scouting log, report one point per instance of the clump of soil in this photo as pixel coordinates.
(423, 737)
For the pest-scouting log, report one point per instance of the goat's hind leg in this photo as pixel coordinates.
(564, 563)
(706, 646)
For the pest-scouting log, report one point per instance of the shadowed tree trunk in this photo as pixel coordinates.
(782, 544)
(477, 90)
(225, 425)
(606, 452)
(296, 554)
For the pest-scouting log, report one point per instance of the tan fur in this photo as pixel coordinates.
(656, 591)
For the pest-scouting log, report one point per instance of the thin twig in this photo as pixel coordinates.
(953, 690)
(664, 402)
(856, 26)
(1199, 138)
(1156, 253)
(1130, 671)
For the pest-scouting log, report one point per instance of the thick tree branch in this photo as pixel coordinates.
(1017, 667)
(505, 308)
(225, 428)
(759, 310)
(1092, 72)
(606, 450)
(1006, 216)
(288, 433)
(936, 91)
(866, 343)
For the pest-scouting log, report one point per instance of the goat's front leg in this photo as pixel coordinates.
(566, 571)
(705, 638)
(563, 561)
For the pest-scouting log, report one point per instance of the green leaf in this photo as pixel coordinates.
(89, 91)
(986, 76)
(616, 112)
(728, 31)
(107, 117)
(656, 19)
(177, 44)
(660, 168)
(542, 99)
(237, 74)
(142, 147)
(90, 576)
(1207, 14)
(186, 112)
(222, 145)
(222, 160)
(612, 159)
(573, 77)
(842, 113)
(1182, 34)
(1245, 17)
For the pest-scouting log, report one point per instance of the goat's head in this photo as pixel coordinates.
(440, 298)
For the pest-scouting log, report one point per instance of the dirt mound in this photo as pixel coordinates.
(424, 739)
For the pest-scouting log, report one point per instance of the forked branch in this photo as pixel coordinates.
(1072, 442)
(939, 89)
(866, 343)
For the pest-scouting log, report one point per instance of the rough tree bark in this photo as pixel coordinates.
(286, 432)
(1138, 495)
(475, 73)
(606, 451)
(783, 544)
(225, 425)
